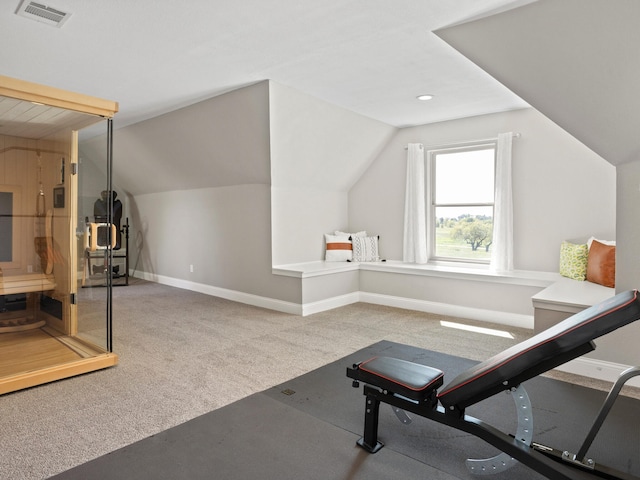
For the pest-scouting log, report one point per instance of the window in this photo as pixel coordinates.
(460, 214)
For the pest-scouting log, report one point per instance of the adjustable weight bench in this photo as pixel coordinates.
(412, 387)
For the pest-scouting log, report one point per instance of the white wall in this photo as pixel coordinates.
(622, 345)
(318, 151)
(562, 190)
(628, 226)
(300, 217)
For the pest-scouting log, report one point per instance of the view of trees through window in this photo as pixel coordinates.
(463, 198)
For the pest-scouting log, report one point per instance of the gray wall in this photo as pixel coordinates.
(222, 231)
(199, 191)
(623, 344)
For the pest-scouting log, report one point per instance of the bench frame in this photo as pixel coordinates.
(389, 381)
(553, 463)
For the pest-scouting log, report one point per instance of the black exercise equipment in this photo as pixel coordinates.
(412, 387)
(101, 216)
(102, 238)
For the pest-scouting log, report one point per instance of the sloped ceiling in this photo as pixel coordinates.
(215, 143)
(261, 134)
(315, 144)
(372, 57)
(576, 61)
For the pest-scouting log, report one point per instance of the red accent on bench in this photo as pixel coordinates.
(549, 349)
(408, 379)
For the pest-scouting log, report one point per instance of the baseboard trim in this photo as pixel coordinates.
(585, 366)
(330, 303)
(510, 319)
(233, 295)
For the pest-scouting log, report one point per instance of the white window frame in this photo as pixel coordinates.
(431, 193)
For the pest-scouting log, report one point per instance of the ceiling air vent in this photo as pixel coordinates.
(42, 13)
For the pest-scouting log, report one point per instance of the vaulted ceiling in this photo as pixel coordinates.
(576, 61)
(372, 57)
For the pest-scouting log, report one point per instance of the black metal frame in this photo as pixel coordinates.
(553, 464)
(110, 221)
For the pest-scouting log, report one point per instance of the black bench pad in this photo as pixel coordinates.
(549, 349)
(411, 380)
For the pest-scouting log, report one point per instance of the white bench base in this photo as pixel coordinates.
(431, 288)
(564, 298)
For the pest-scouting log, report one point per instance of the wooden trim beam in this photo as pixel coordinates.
(55, 97)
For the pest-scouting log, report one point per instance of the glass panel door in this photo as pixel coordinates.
(96, 237)
(42, 246)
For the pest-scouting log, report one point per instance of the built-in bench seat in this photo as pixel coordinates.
(480, 273)
(498, 297)
(26, 283)
(314, 269)
(564, 298)
(554, 297)
(16, 321)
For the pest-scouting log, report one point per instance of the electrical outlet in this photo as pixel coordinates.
(191, 268)
(29, 268)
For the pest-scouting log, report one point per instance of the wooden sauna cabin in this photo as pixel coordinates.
(50, 328)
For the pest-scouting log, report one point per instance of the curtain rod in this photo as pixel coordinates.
(484, 140)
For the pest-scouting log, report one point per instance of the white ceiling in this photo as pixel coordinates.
(153, 56)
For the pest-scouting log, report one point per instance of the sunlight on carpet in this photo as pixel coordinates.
(471, 328)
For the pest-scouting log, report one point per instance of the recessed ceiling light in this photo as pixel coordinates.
(424, 98)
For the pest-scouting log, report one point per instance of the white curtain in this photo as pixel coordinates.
(502, 246)
(415, 222)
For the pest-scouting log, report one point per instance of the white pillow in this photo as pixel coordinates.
(604, 242)
(338, 248)
(365, 249)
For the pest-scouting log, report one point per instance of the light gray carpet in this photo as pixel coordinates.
(183, 354)
(307, 428)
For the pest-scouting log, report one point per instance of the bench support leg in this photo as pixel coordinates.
(624, 377)
(524, 434)
(370, 439)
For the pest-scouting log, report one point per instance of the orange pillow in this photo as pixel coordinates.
(601, 264)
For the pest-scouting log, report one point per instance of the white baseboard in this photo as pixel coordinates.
(330, 303)
(234, 295)
(584, 366)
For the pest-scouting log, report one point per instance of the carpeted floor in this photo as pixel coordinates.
(307, 427)
(184, 354)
